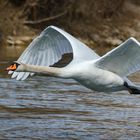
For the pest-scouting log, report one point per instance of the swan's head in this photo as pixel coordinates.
(15, 66)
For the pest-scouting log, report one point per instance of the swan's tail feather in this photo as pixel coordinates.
(133, 89)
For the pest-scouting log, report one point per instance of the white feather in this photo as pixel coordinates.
(53, 42)
(123, 60)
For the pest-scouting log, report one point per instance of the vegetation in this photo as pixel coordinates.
(99, 23)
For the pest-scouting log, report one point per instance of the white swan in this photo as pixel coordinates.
(107, 73)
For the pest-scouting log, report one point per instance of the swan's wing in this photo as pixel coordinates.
(123, 60)
(80, 51)
(48, 48)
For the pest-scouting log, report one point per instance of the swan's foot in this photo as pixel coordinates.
(132, 89)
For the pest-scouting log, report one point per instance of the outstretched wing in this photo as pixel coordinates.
(123, 60)
(48, 48)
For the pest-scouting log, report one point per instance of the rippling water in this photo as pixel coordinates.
(45, 108)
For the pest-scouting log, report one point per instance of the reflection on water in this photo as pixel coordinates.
(50, 108)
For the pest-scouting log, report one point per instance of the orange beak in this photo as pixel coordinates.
(11, 67)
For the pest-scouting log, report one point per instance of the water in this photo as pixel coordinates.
(46, 108)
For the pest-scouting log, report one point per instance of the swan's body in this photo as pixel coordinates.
(95, 79)
(106, 73)
(99, 79)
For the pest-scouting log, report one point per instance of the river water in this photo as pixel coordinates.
(46, 108)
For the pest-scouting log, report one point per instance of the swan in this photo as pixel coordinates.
(107, 73)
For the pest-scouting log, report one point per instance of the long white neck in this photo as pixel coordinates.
(51, 71)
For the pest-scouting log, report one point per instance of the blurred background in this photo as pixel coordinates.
(101, 24)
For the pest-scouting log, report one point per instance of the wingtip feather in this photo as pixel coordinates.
(134, 40)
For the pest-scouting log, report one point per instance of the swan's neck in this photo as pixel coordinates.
(51, 71)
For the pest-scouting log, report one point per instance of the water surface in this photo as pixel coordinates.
(45, 108)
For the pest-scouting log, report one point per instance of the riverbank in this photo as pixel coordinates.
(102, 33)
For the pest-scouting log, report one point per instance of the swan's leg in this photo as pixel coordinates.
(133, 89)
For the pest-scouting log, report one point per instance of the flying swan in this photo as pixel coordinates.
(107, 73)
